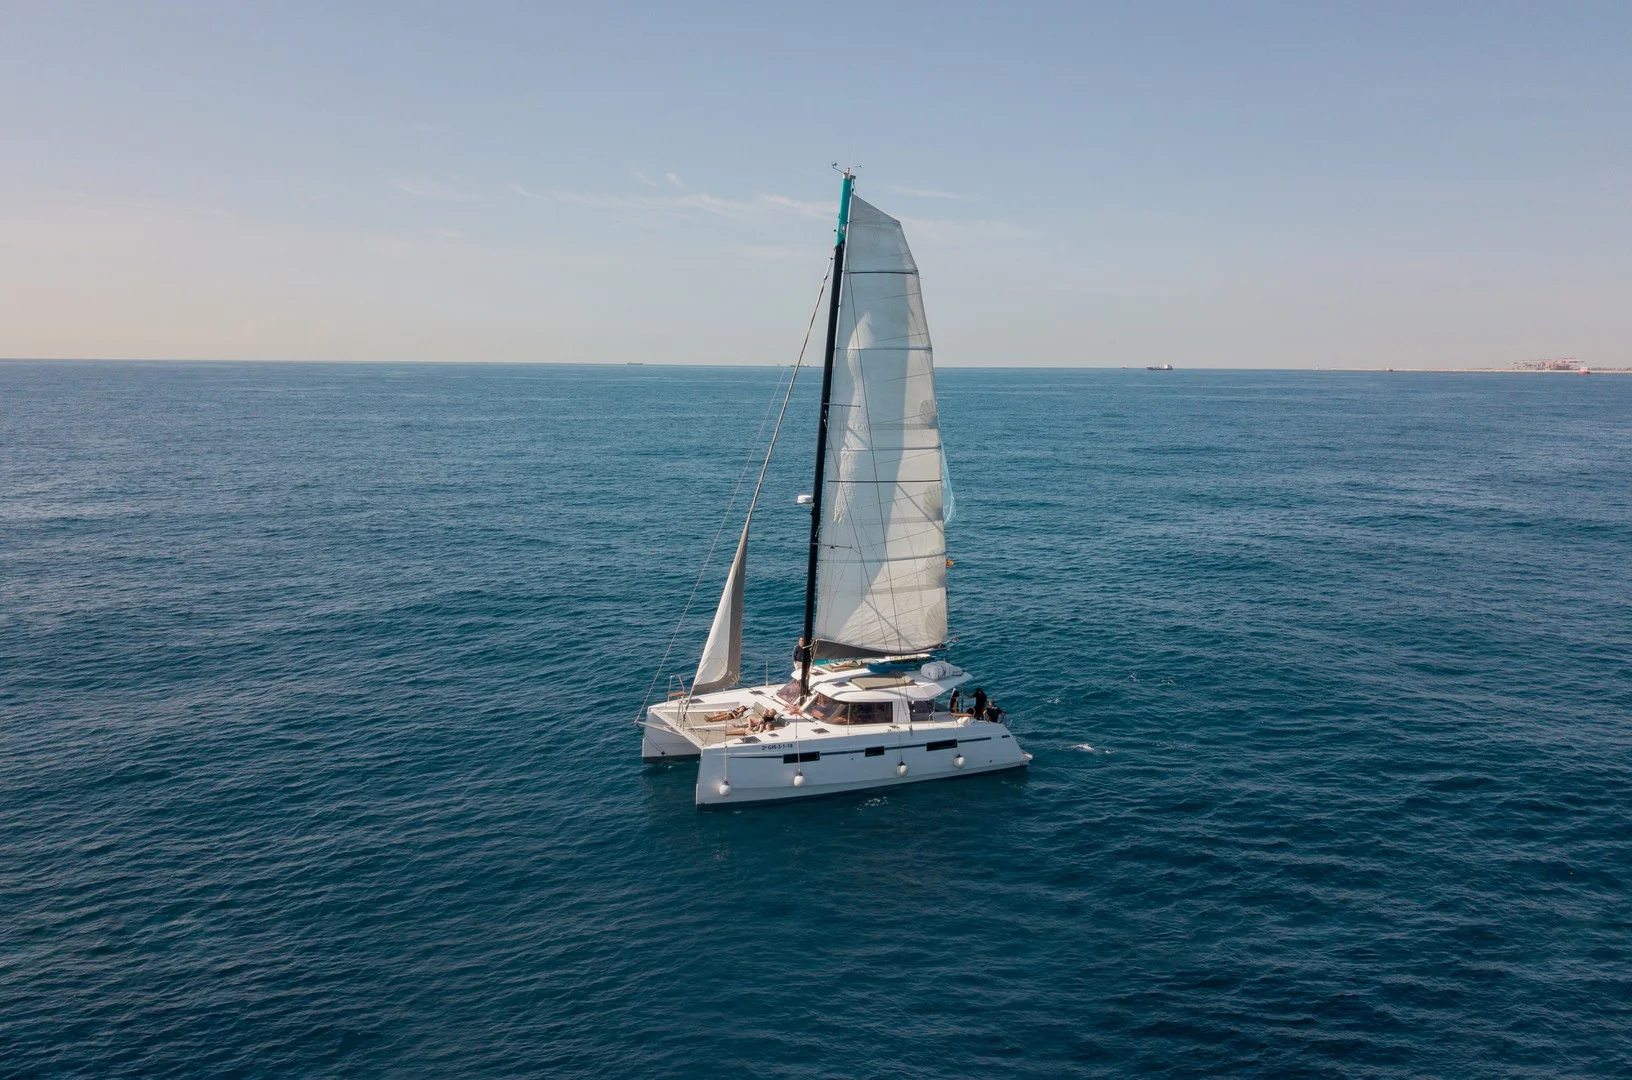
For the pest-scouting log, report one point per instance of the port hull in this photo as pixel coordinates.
(660, 743)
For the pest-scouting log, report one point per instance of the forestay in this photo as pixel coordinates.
(881, 567)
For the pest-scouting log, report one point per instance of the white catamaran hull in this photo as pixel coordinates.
(735, 774)
(660, 743)
(909, 735)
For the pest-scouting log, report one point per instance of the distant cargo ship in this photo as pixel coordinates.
(1159, 367)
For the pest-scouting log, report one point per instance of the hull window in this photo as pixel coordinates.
(808, 755)
(823, 707)
(872, 712)
(946, 744)
(851, 712)
(875, 751)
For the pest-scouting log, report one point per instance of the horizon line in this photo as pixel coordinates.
(1380, 369)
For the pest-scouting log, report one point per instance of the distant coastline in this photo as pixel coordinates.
(1464, 370)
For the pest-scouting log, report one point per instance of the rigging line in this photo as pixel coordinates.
(786, 397)
(821, 290)
(709, 558)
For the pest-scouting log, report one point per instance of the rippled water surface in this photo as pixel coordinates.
(317, 756)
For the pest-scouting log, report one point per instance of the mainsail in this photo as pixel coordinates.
(881, 568)
(721, 665)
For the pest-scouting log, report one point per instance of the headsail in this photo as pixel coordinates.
(882, 559)
(721, 665)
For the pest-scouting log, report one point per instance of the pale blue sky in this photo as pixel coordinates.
(1284, 185)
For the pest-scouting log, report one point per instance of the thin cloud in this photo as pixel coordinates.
(773, 253)
(643, 178)
(171, 206)
(951, 230)
(673, 179)
(690, 205)
(799, 206)
(391, 247)
(424, 188)
(924, 193)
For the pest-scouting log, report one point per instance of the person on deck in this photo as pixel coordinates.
(980, 703)
(801, 654)
(952, 705)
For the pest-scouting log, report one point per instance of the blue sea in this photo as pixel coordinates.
(317, 753)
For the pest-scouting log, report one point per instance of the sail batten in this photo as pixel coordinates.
(881, 574)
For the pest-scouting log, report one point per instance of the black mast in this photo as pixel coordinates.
(821, 439)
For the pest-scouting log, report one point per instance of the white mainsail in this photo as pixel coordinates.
(721, 665)
(881, 567)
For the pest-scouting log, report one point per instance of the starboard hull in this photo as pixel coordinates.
(729, 775)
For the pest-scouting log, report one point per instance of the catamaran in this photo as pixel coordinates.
(869, 704)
